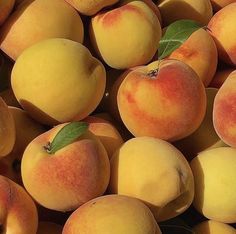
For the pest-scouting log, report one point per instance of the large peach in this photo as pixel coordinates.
(68, 178)
(205, 136)
(7, 129)
(172, 10)
(18, 212)
(6, 7)
(33, 21)
(114, 214)
(166, 100)
(90, 7)
(220, 77)
(214, 171)
(106, 132)
(199, 52)
(154, 171)
(223, 31)
(213, 227)
(110, 32)
(64, 81)
(224, 113)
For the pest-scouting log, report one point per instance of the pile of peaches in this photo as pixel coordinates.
(113, 120)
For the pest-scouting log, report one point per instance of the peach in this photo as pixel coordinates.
(224, 113)
(49, 228)
(220, 77)
(33, 21)
(205, 136)
(172, 10)
(18, 212)
(110, 32)
(90, 7)
(213, 227)
(219, 4)
(155, 172)
(166, 100)
(214, 171)
(6, 7)
(68, 80)
(7, 129)
(73, 175)
(114, 214)
(106, 132)
(200, 53)
(223, 31)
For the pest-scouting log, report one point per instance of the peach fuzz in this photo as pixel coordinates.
(82, 81)
(18, 213)
(220, 77)
(109, 32)
(213, 227)
(68, 178)
(200, 53)
(90, 7)
(33, 21)
(214, 171)
(114, 214)
(143, 167)
(219, 4)
(6, 7)
(223, 30)
(7, 129)
(172, 10)
(49, 228)
(106, 133)
(224, 113)
(205, 136)
(177, 94)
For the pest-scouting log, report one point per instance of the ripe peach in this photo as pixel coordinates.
(200, 53)
(6, 7)
(205, 136)
(223, 31)
(155, 172)
(106, 132)
(214, 171)
(213, 227)
(36, 20)
(7, 129)
(219, 4)
(109, 32)
(114, 214)
(220, 77)
(68, 80)
(172, 10)
(224, 112)
(166, 100)
(18, 212)
(68, 178)
(90, 7)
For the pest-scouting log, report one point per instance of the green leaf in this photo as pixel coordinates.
(176, 34)
(68, 134)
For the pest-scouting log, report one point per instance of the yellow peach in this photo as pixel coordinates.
(172, 10)
(155, 172)
(110, 32)
(68, 80)
(223, 31)
(214, 171)
(114, 214)
(36, 20)
(200, 53)
(213, 227)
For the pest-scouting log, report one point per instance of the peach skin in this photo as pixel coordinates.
(222, 28)
(219, 4)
